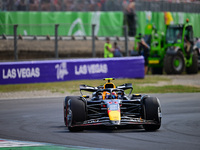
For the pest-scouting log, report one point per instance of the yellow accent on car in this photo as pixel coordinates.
(107, 79)
(85, 96)
(114, 115)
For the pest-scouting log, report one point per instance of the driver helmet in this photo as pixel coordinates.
(114, 95)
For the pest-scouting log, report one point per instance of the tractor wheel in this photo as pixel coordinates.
(174, 64)
(193, 69)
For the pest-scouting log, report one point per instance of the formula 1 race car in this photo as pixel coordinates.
(110, 106)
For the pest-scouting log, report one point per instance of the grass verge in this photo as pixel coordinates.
(139, 86)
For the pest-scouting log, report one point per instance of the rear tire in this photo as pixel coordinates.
(193, 69)
(74, 112)
(151, 111)
(174, 64)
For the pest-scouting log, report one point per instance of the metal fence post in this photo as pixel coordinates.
(126, 39)
(93, 41)
(56, 40)
(39, 7)
(15, 42)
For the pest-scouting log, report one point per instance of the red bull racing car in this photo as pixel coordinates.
(111, 106)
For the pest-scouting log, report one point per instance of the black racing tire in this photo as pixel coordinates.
(65, 110)
(76, 106)
(151, 111)
(170, 65)
(157, 70)
(65, 105)
(193, 69)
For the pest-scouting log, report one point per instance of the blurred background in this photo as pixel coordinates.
(40, 29)
(98, 5)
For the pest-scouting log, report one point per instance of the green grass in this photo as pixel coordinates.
(166, 89)
(73, 86)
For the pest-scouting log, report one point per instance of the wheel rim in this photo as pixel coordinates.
(159, 115)
(178, 64)
(69, 115)
(65, 115)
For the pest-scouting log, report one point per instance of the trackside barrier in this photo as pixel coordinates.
(70, 69)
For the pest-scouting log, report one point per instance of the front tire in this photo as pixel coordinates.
(174, 64)
(152, 112)
(74, 112)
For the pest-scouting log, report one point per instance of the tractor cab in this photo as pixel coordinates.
(174, 34)
(180, 35)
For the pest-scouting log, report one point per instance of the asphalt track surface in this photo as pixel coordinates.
(41, 120)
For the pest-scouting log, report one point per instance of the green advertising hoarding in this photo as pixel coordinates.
(70, 23)
(80, 23)
(159, 20)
